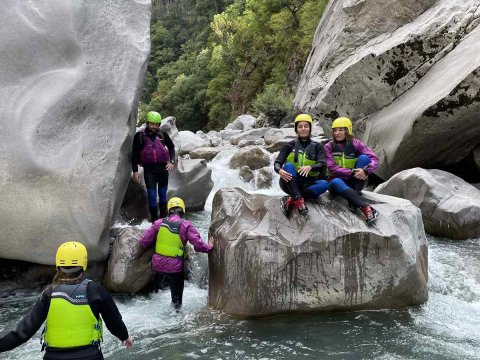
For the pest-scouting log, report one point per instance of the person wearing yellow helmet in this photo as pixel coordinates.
(72, 308)
(301, 166)
(349, 162)
(154, 150)
(170, 236)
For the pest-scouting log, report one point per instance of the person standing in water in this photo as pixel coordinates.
(73, 308)
(170, 236)
(301, 165)
(349, 162)
(154, 150)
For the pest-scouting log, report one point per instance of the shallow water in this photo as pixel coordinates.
(445, 327)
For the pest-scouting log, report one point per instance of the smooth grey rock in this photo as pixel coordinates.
(243, 122)
(450, 206)
(228, 134)
(252, 134)
(192, 181)
(252, 156)
(129, 266)
(72, 72)
(263, 264)
(169, 126)
(189, 142)
(250, 142)
(207, 153)
(135, 202)
(246, 174)
(410, 83)
(264, 178)
(214, 138)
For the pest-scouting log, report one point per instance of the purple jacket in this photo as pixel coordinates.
(187, 232)
(153, 152)
(344, 173)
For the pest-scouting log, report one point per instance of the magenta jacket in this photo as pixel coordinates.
(187, 232)
(344, 173)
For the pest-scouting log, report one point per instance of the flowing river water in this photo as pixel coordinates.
(447, 326)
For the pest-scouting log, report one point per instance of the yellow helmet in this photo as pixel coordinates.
(71, 253)
(175, 202)
(343, 122)
(304, 117)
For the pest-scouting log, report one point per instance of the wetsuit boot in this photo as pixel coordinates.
(370, 214)
(286, 205)
(153, 214)
(301, 207)
(163, 209)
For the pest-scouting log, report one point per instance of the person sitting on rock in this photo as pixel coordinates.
(170, 236)
(349, 162)
(301, 165)
(73, 308)
(154, 150)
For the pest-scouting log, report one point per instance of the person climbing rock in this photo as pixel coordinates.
(349, 162)
(73, 308)
(170, 236)
(301, 166)
(154, 150)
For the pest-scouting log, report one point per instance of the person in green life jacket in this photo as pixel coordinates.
(170, 236)
(154, 150)
(349, 162)
(301, 166)
(73, 308)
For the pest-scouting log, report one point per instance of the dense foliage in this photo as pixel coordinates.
(213, 60)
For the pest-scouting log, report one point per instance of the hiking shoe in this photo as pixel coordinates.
(370, 214)
(286, 205)
(301, 207)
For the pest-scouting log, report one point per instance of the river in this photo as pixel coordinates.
(447, 326)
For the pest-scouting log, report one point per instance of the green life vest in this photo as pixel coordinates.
(344, 156)
(70, 320)
(168, 240)
(301, 156)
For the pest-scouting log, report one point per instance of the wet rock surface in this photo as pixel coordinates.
(264, 264)
(450, 206)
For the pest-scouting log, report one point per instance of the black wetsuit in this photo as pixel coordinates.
(155, 174)
(309, 187)
(100, 302)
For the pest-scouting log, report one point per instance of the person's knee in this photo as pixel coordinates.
(362, 161)
(290, 168)
(337, 185)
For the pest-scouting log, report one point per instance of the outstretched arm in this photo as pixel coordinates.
(28, 326)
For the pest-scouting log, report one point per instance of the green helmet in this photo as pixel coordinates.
(154, 117)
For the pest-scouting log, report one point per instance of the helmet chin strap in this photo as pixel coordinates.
(69, 270)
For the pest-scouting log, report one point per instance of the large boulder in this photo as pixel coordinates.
(450, 206)
(129, 266)
(252, 156)
(72, 72)
(207, 153)
(252, 134)
(190, 141)
(410, 82)
(191, 181)
(243, 122)
(264, 264)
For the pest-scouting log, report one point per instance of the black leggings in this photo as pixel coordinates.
(176, 283)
